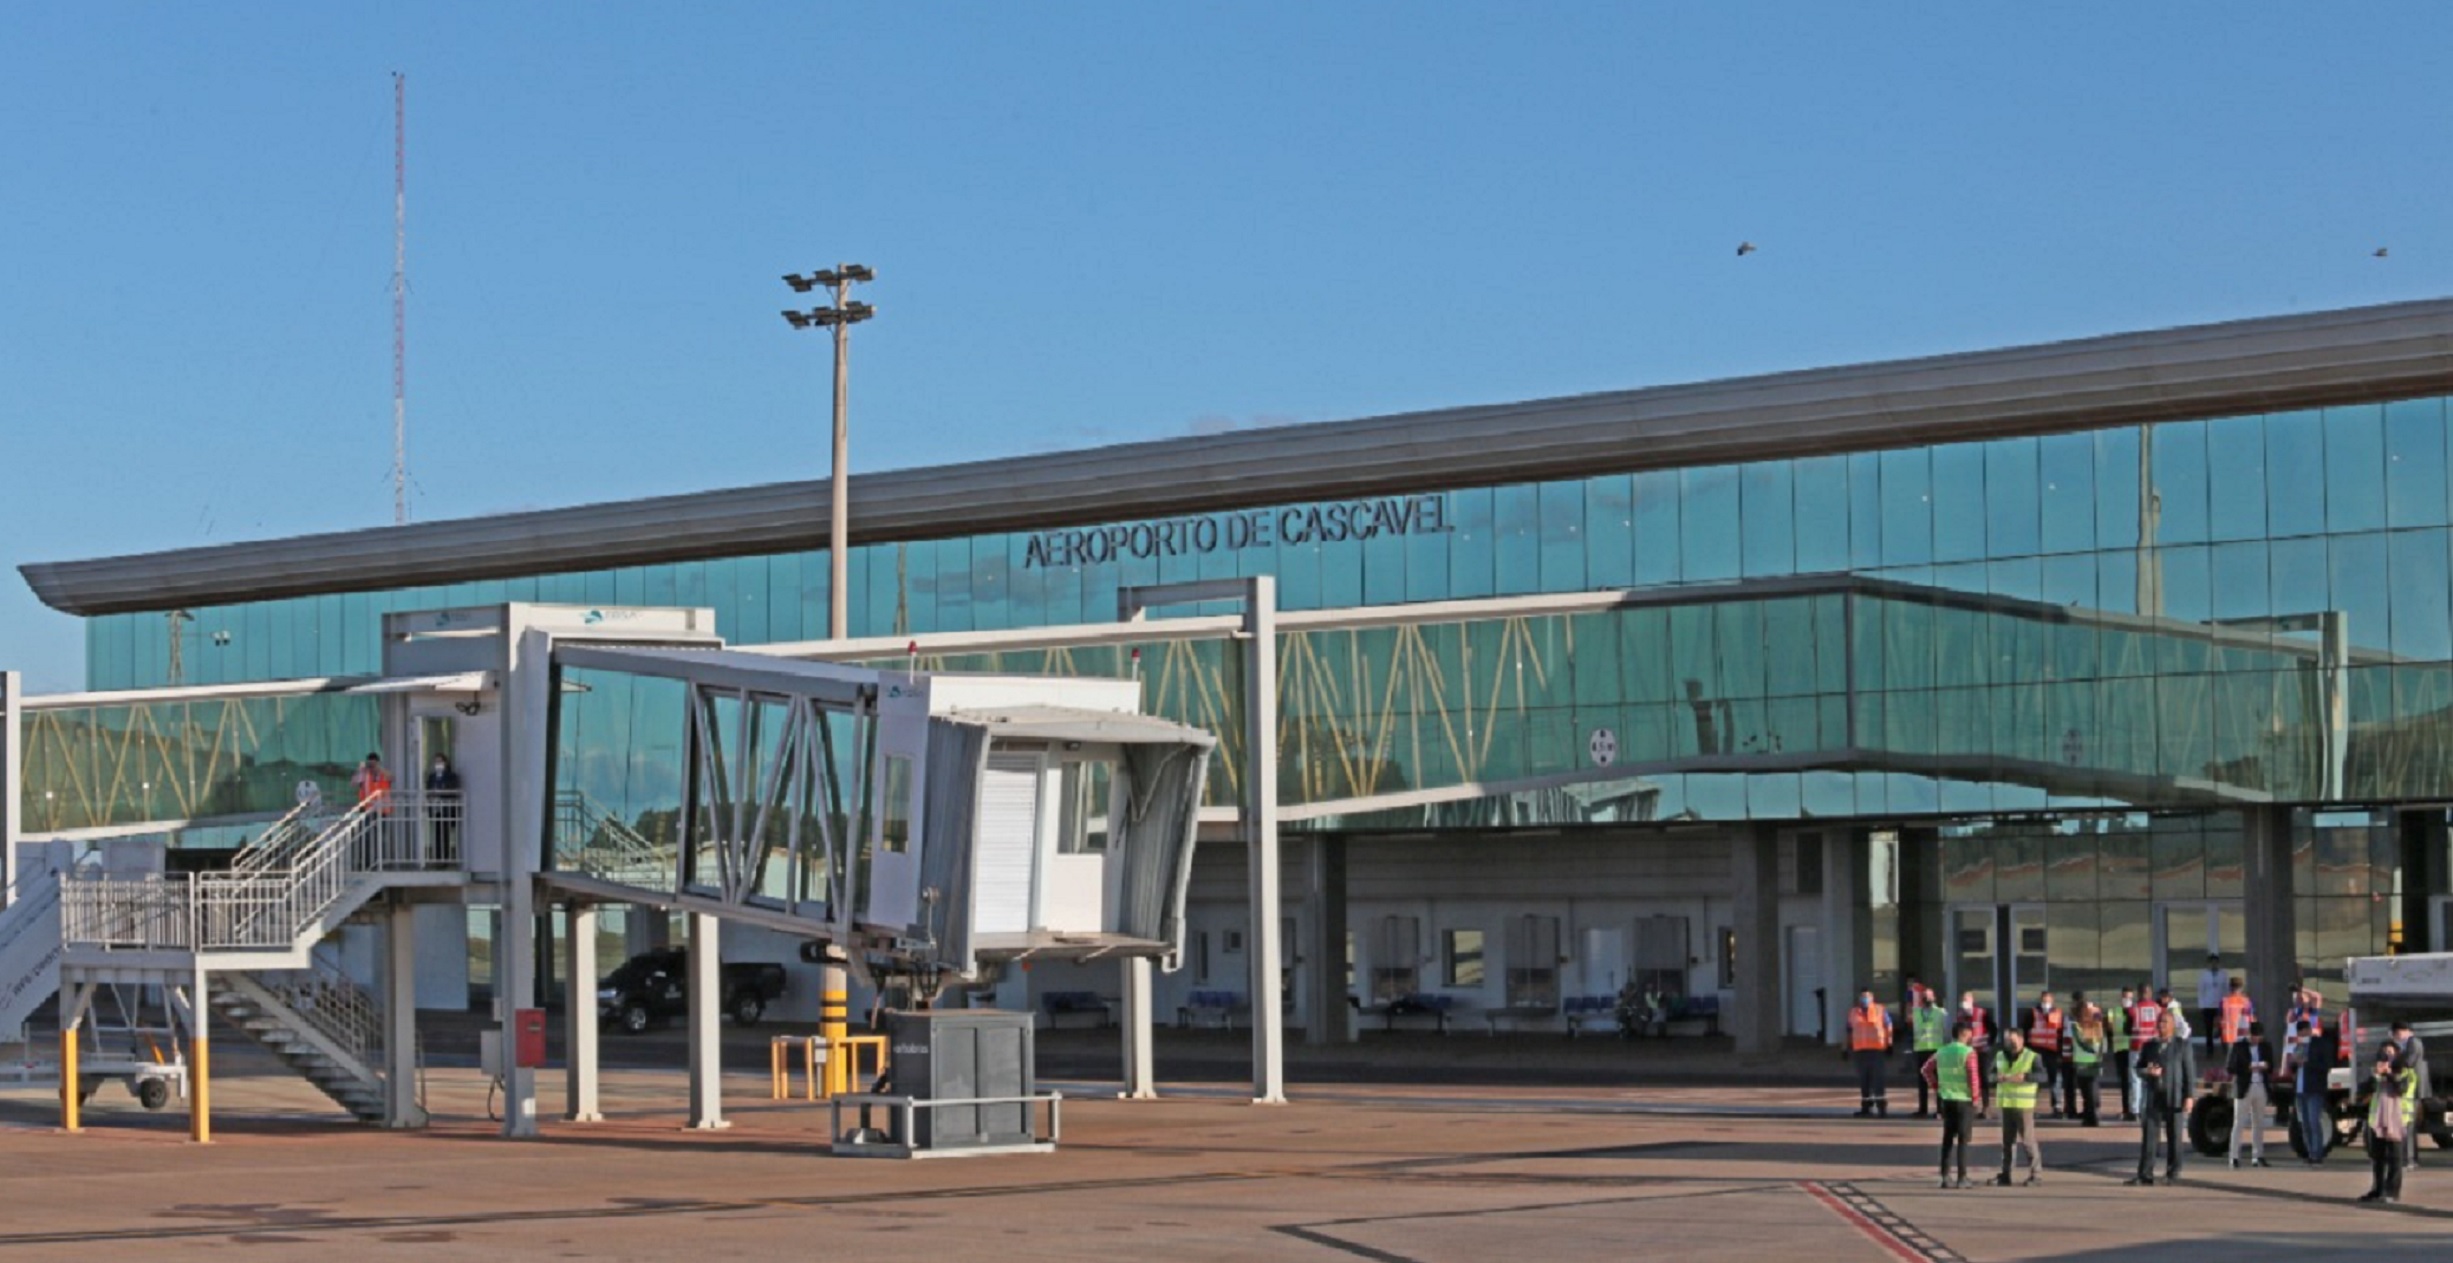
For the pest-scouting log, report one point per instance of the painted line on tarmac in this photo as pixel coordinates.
(1879, 1223)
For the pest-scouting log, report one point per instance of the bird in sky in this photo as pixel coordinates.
(1747, 247)
(2380, 252)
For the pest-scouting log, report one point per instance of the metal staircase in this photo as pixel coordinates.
(255, 928)
(318, 1023)
(29, 955)
(592, 840)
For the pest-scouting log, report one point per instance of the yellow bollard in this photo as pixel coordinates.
(834, 1022)
(779, 1076)
(68, 1081)
(199, 1091)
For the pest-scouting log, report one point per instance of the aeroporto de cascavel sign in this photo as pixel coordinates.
(1329, 523)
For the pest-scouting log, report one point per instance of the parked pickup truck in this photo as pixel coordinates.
(654, 987)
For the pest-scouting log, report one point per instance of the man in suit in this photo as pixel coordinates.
(2167, 1086)
(2252, 1067)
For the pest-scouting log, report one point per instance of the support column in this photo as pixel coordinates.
(706, 1032)
(579, 1010)
(1140, 1077)
(1848, 938)
(1327, 1018)
(2270, 911)
(515, 989)
(199, 1062)
(400, 1107)
(1754, 889)
(12, 777)
(72, 1021)
(1260, 829)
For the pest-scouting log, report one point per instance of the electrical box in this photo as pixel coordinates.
(528, 1028)
(960, 1055)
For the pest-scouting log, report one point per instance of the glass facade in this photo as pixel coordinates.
(2178, 615)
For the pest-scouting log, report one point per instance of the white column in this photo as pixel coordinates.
(400, 1107)
(1140, 1078)
(706, 1032)
(1260, 828)
(12, 776)
(579, 1009)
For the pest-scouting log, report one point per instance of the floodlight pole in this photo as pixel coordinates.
(840, 317)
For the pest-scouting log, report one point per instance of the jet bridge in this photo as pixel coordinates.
(915, 828)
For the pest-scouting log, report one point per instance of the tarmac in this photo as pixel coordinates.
(1664, 1150)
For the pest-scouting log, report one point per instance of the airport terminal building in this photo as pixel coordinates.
(2065, 665)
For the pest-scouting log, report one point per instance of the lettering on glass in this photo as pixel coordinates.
(1202, 534)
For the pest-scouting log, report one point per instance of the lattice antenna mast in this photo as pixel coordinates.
(400, 298)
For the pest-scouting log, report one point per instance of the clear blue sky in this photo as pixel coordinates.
(1095, 223)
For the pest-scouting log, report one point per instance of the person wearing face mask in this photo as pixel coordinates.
(1869, 1045)
(443, 806)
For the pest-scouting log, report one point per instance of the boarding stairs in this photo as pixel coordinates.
(255, 928)
(30, 951)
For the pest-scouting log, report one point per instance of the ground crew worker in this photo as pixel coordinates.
(2088, 1040)
(1959, 1089)
(2015, 1071)
(1927, 1032)
(2047, 1027)
(2145, 1015)
(2238, 1011)
(1979, 1037)
(1869, 1044)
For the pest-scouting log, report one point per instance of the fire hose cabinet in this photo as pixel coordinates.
(961, 1055)
(528, 1044)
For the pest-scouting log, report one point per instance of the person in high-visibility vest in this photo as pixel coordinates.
(2237, 1012)
(2088, 1042)
(2046, 1028)
(2016, 1068)
(2389, 1124)
(1869, 1045)
(1960, 1089)
(1979, 1037)
(1928, 1030)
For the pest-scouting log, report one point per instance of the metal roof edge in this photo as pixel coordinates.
(2261, 364)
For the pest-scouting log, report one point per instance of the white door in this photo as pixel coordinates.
(1604, 961)
(1006, 854)
(1802, 969)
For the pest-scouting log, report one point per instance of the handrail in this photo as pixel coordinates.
(280, 837)
(336, 1006)
(270, 907)
(602, 843)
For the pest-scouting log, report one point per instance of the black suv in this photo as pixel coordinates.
(654, 987)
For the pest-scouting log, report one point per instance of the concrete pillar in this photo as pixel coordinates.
(400, 1107)
(2270, 913)
(1327, 1019)
(1847, 927)
(706, 1017)
(1140, 1077)
(1260, 829)
(579, 1010)
(1754, 890)
(515, 990)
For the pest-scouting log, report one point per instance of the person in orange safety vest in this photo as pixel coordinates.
(2238, 1012)
(1869, 1045)
(2048, 1037)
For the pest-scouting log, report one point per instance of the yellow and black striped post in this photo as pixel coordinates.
(834, 1023)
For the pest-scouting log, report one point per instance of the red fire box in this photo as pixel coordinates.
(528, 1051)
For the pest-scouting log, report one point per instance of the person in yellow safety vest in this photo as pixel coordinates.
(1928, 1030)
(1869, 1045)
(2015, 1071)
(2089, 1037)
(2237, 1012)
(2389, 1124)
(1960, 1089)
(2047, 1028)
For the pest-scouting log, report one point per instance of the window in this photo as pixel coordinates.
(1394, 973)
(1086, 798)
(1533, 961)
(894, 833)
(1462, 952)
(1200, 956)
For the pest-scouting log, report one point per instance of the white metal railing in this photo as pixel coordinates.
(282, 838)
(338, 1008)
(265, 907)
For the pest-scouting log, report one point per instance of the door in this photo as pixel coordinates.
(2002, 952)
(1604, 963)
(1802, 971)
(1974, 960)
(1007, 851)
(2030, 960)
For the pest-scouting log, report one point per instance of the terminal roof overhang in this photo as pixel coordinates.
(2359, 354)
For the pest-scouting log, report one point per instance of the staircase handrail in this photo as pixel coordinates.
(334, 1004)
(622, 850)
(26, 909)
(279, 838)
